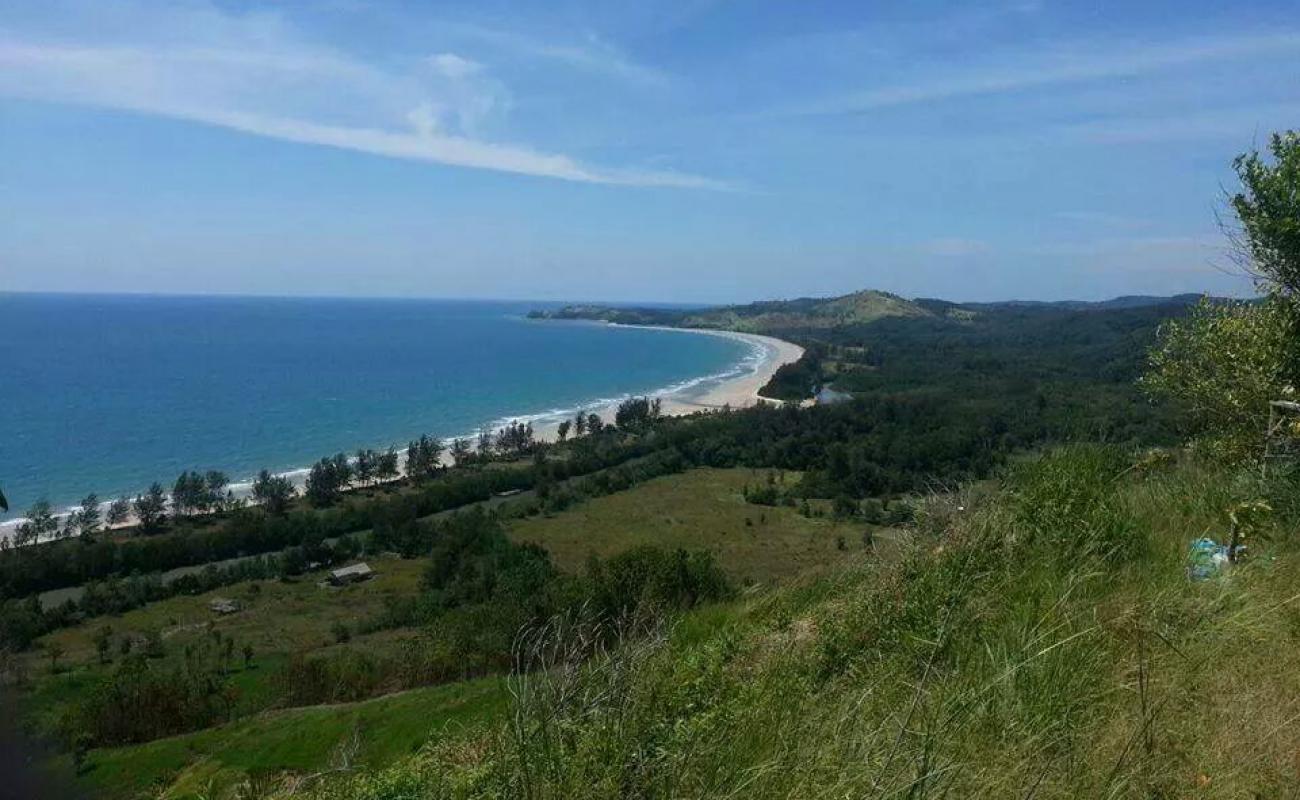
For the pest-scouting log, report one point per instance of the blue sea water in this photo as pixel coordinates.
(110, 393)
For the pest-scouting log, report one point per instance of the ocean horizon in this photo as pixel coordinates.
(109, 393)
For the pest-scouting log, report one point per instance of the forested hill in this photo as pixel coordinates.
(811, 314)
(762, 317)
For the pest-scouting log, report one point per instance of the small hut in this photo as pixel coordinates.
(223, 605)
(353, 573)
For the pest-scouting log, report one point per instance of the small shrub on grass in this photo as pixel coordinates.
(342, 633)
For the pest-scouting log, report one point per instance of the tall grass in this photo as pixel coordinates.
(1042, 642)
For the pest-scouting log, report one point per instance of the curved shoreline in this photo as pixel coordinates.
(738, 391)
(743, 390)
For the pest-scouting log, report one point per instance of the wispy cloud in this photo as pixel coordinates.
(590, 53)
(454, 66)
(1063, 63)
(1233, 123)
(261, 80)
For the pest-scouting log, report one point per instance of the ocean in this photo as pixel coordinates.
(108, 393)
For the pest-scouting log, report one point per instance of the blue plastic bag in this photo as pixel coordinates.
(1206, 559)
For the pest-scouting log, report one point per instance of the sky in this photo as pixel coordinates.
(694, 151)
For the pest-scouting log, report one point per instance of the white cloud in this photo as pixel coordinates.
(1063, 63)
(454, 66)
(255, 75)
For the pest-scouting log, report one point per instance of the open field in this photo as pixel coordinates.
(701, 509)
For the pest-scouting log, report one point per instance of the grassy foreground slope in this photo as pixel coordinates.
(1047, 642)
(373, 733)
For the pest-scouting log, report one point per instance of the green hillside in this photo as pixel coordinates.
(1044, 642)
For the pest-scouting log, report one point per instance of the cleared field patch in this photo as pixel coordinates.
(274, 616)
(276, 619)
(700, 509)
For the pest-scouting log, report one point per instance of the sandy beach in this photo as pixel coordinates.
(738, 391)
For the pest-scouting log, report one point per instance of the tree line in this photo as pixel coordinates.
(194, 493)
(278, 521)
(395, 528)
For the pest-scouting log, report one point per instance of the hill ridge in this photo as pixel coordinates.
(855, 308)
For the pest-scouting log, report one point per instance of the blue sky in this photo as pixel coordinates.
(696, 151)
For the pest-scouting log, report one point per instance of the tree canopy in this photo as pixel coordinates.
(1268, 210)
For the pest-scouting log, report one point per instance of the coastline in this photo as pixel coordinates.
(735, 388)
(738, 388)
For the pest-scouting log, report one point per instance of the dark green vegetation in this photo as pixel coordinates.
(1267, 208)
(116, 567)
